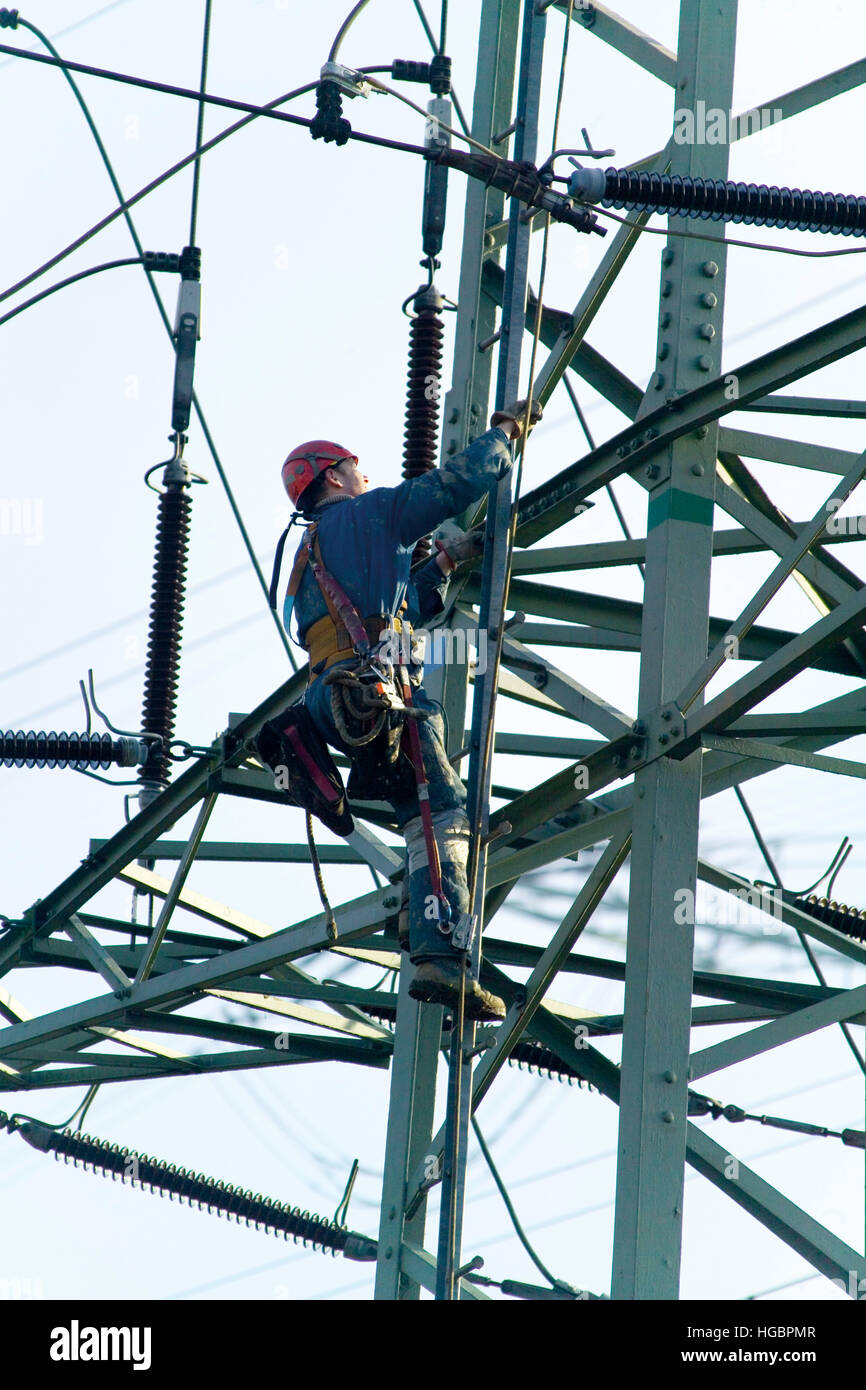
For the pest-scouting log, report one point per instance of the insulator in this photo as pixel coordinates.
(761, 205)
(851, 921)
(166, 621)
(423, 389)
(328, 124)
(540, 1059)
(29, 749)
(169, 1180)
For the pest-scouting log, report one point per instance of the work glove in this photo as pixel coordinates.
(516, 412)
(463, 545)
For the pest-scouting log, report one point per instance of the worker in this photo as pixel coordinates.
(355, 560)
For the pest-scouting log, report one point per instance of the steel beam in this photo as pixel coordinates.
(653, 1093)
(417, 1040)
(626, 38)
(845, 1004)
(683, 412)
(830, 407)
(354, 921)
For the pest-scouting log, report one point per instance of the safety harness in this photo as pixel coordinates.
(371, 694)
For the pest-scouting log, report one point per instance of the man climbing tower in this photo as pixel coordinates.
(354, 599)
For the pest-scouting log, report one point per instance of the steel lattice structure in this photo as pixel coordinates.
(666, 757)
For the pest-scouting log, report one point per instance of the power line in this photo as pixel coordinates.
(79, 24)
(124, 209)
(55, 652)
(199, 129)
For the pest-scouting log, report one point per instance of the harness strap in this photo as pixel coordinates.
(340, 606)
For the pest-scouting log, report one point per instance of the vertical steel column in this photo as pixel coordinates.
(465, 414)
(418, 1032)
(659, 960)
(410, 1126)
(492, 604)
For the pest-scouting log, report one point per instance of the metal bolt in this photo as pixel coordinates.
(634, 751)
(666, 715)
(454, 416)
(390, 902)
(622, 451)
(389, 1253)
(697, 469)
(709, 300)
(705, 363)
(663, 738)
(710, 269)
(675, 732)
(392, 1213)
(658, 381)
(652, 470)
(668, 256)
(702, 431)
(663, 351)
(668, 1116)
(667, 289)
(707, 331)
(665, 320)
(652, 433)
(670, 1077)
(638, 727)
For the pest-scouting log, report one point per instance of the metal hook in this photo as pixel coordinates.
(588, 153)
(124, 733)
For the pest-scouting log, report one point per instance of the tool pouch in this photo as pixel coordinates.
(294, 750)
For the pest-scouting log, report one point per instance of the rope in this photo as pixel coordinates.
(458, 134)
(340, 706)
(320, 882)
(727, 241)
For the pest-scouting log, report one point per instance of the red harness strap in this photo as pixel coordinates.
(342, 610)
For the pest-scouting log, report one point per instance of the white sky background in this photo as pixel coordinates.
(307, 253)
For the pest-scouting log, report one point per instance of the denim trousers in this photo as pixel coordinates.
(447, 803)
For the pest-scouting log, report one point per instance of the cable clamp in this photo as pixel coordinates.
(352, 83)
(461, 936)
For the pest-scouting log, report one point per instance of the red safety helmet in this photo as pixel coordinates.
(307, 461)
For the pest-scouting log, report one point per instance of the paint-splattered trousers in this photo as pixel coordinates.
(447, 803)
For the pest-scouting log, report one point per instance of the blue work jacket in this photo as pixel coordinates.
(367, 542)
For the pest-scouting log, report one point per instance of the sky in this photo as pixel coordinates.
(307, 254)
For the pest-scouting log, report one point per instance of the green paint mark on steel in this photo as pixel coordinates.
(675, 505)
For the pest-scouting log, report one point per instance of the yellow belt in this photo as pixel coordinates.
(329, 642)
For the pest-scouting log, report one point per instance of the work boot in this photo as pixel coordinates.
(438, 982)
